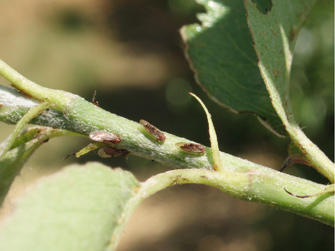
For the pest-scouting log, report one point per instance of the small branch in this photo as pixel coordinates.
(59, 99)
(33, 112)
(255, 185)
(249, 181)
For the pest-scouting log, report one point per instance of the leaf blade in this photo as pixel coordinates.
(274, 35)
(72, 210)
(221, 55)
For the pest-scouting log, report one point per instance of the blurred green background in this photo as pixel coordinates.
(132, 54)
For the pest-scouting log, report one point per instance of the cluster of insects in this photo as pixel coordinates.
(160, 137)
(102, 138)
(108, 137)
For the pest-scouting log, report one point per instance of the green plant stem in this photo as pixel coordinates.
(255, 185)
(309, 151)
(312, 153)
(58, 98)
(267, 185)
(33, 112)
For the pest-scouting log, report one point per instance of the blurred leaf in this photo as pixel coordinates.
(11, 164)
(221, 54)
(80, 208)
(21, 149)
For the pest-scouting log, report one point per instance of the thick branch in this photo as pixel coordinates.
(249, 181)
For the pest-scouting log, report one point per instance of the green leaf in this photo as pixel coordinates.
(217, 164)
(274, 35)
(80, 208)
(224, 61)
(11, 164)
(21, 149)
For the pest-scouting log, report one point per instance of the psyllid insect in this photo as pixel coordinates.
(102, 136)
(94, 100)
(108, 152)
(191, 147)
(154, 131)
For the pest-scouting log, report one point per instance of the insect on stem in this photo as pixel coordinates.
(191, 147)
(108, 152)
(102, 136)
(154, 131)
(94, 101)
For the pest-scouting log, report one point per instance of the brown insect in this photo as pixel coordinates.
(108, 152)
(102, 136)
(191, 147)
(154, 131)
(94, 100)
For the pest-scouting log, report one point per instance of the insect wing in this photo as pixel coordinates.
(102, 136)
(108, 152)
(154, 131)
(192, 147)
